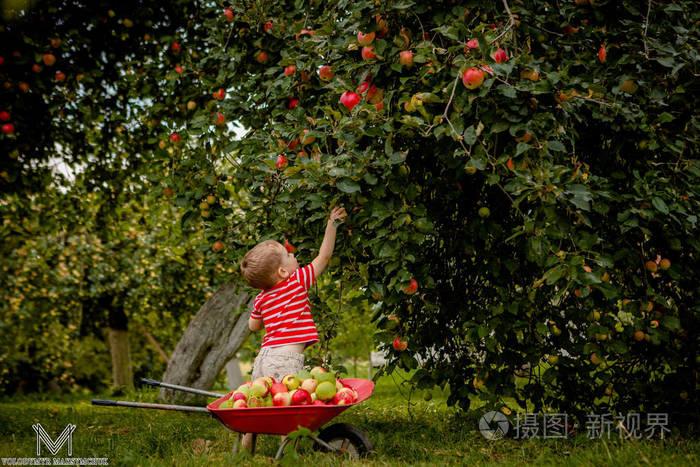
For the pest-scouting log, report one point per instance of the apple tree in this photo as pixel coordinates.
(522, 179)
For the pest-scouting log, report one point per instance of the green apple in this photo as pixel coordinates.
(325, 391)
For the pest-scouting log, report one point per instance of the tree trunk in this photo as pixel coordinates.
(234, 377)
(212, 338)
(118, 336)
(122, 376)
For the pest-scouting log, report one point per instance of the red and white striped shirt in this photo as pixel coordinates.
(286, 311)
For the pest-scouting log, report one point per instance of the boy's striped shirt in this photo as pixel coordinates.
(286, 311)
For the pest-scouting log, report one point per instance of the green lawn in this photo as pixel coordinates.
(431, 434)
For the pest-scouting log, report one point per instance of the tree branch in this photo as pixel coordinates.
(511, 22)
(646, 26)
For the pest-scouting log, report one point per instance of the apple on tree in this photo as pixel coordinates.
(349, 99)
(365, 39)
(325, 72)
(472, 78)
(229, 15)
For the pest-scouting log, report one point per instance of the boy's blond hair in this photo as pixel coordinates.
(260, 264)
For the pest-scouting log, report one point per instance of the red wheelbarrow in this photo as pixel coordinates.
(340, 438)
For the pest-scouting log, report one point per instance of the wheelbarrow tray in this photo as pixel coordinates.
(284, 420)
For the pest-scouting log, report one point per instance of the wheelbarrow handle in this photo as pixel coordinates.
(148, 405)
(201, 392)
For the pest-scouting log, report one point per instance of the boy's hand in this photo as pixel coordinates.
(337, 216)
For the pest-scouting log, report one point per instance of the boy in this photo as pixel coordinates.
(282, 307)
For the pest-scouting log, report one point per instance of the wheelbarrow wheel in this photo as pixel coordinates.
(345, 439)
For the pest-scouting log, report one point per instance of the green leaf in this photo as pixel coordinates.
(555, 145)
(659, 204)
(347, 185)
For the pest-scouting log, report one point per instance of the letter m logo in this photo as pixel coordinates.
(54, 446)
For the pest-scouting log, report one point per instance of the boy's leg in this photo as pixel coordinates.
(247, 441)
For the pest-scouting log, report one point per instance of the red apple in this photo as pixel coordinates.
(261, 57)
(220, 119)
(379, 106)
(2, 60)
(301, 397)
(365, 39)
(278, 388)
(325, 72)
(602, 53)
(238, 395)
(179, 69)
(281, 162)
(281, 399)
(4, 116)
(406, 58)
(368, 53)
(219, 94)
(49, 59)
(23, 86)
(175, 47)
(349, 99)
(267, 27)
(292, 103)
(217, 247)
(318, 402)
(399, 345)
(343, 398)
(348, 392)
(175, 137)
(240, 404)
(363, 87)
(8, 128)
(412, 287)
(60, 76)
(293, 144)
(289, 70)
(500, 56)
(36, 68)
(473, 78)
(289, 247)
(228, 13)
(472, 44)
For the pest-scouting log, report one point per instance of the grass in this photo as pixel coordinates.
(431, 434)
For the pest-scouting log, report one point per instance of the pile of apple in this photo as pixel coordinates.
(315, 387)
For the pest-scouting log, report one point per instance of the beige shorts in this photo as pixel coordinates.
(277, 363)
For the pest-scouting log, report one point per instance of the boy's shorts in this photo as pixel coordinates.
(277, 363)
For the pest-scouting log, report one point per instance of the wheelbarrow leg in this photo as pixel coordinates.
(283, 444)
(252, 445)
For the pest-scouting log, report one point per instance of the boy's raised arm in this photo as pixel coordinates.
(326, 252)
